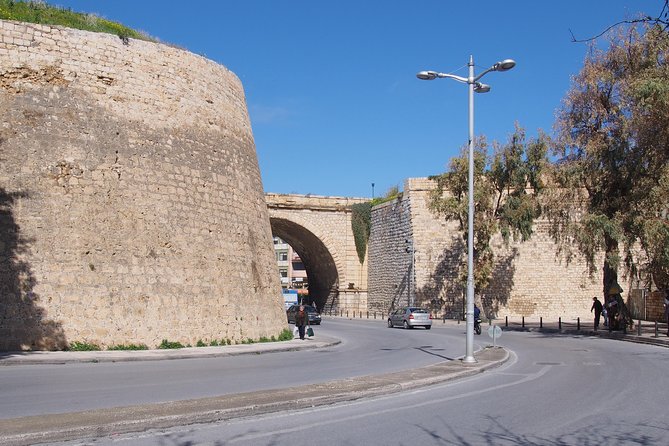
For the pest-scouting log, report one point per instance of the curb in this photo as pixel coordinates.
(70, 357)
(604, 334)
(104, 422)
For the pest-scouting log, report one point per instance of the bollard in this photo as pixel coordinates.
(638, 328)
(523, 322)
(578, 324)
(541, 322)
(560, 323)
(346, 313)
(656, 334)
(506, 322)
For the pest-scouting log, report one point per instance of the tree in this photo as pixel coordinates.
(611, 191)
(661, 20)
(506, 190)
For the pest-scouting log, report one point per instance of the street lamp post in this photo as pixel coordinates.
(474, 86)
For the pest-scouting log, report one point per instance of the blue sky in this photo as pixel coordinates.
(331, 88)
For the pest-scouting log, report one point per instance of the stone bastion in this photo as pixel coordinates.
(131, 203)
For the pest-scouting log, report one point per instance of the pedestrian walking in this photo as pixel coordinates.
(666, 308)
(597, 308)
(301, 321)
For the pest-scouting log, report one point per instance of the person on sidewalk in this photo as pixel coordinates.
(301, 321)
(666, 308)
(597, 307)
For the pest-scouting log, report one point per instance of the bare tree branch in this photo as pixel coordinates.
(662, 19)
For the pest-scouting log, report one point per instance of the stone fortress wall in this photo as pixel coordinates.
(529, 279)
(131, 203)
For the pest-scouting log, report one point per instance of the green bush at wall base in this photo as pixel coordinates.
(167, 345)
(82, 347)
(129, 347)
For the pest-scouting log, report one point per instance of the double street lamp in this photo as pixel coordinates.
(478, 87)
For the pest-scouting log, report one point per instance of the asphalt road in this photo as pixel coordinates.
(367, 347)
(555, 390)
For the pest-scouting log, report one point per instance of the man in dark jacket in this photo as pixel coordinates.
(597, 307)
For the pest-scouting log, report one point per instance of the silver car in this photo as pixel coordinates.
(410, 317)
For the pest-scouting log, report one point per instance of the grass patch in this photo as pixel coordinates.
(41, 13)
(168, 345)
(83, 347)
(129, 347)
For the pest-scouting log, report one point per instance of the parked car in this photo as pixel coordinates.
(410, 317)
(312, 313)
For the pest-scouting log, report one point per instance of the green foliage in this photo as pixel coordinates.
(390, 194)
(507, 185)
(200, 343)
(129, 347)
(361, 224)
(214, 343)
(42, 13)
(612, 184)
(286, 335)
(167, 345)
(361, 221)
(83, 347)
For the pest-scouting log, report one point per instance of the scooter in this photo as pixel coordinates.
(477, 326)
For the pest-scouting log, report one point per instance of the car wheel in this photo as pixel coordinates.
(406, 325)
(390, 323)
(427, 327)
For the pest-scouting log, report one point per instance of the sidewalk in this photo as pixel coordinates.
(63, 357)
(647, 333)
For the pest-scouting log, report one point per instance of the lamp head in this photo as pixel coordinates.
(505, 65)
(427, 75)
(481, 88)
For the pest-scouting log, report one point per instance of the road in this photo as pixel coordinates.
(367, 347)
(555, 390)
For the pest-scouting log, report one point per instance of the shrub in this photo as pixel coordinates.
(83, 347)
(286, 335)
(165, 344)
(129, 347)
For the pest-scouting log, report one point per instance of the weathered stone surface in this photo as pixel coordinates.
(319, 229)
(529, 279)
(131, 203)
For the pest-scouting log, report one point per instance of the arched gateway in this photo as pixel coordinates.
(319, 230)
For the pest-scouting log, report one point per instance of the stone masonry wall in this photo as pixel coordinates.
(529, 279)
(319, 228)
(131, 203)
(391, 278)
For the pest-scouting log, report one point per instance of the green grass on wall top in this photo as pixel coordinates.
(41, 13)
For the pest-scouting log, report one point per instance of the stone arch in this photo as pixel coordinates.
(318, 261)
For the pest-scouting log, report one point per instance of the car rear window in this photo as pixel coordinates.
(418, 310)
